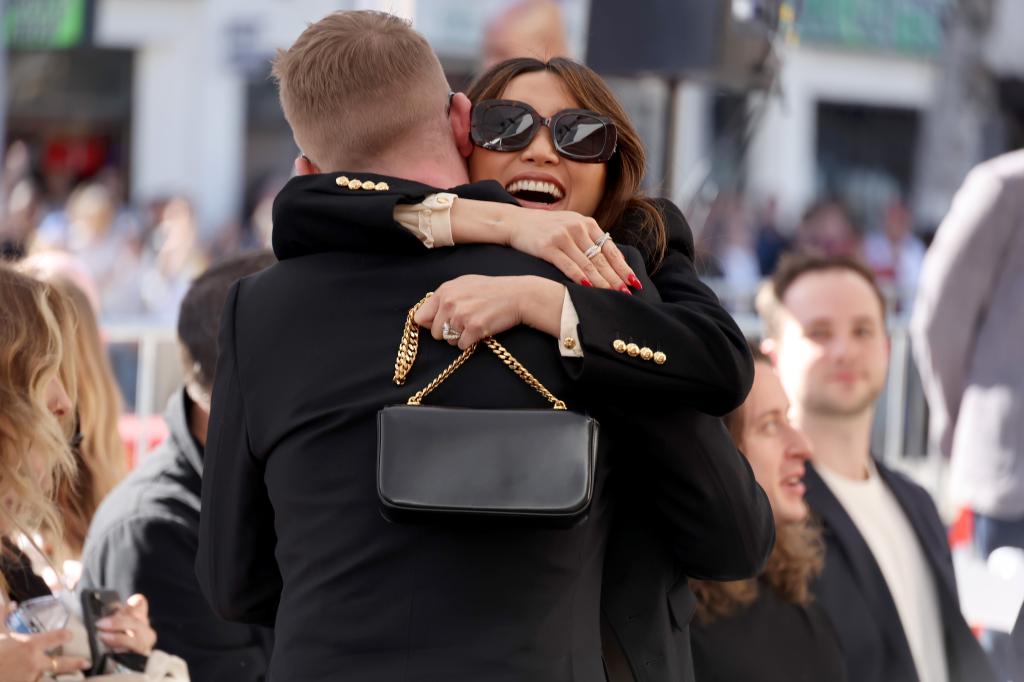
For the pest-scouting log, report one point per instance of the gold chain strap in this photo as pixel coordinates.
(409, 346)
(523, 373)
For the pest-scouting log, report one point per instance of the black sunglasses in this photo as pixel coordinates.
(505, 125)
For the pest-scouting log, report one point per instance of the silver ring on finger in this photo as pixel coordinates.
(449, 333)
(592, 252)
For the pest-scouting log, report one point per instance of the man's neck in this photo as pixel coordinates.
(198, 421)
(840, 443)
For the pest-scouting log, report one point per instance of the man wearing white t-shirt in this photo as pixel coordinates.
(888, 583)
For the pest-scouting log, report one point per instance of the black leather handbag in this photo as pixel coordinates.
(451, 464)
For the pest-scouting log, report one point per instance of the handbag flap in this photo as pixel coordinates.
(498, 462)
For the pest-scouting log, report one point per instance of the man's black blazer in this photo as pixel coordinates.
(291, 531)
(291, 534)
(856, 597)
(647, 602)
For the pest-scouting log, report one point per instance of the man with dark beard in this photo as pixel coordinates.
(888, 584)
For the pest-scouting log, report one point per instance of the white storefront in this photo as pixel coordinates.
(189, 79)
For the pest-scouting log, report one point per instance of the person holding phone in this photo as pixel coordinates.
(37, 391)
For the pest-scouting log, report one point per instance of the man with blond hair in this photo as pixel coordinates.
(888, 584)
(291, 532)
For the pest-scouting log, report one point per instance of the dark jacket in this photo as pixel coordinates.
(647, 601)
(709, 365)
(291, 532)
(781, 642)
(856, 598)
(143, 539)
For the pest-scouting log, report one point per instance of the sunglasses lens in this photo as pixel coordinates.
(502, 127)
(583, 136)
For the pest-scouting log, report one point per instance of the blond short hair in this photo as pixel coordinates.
(357, 84)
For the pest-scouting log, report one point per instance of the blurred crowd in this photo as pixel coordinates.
(742, 240)
(134, 262)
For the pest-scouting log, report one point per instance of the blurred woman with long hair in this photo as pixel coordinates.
(36, 408)
(783, 634)
(99, 451)
(37, 403)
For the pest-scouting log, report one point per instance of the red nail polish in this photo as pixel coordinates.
(635, 283)
(586, 282)
(624, 289)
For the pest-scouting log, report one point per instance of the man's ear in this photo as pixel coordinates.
(770, 347)
(303, 166)
(458, 117)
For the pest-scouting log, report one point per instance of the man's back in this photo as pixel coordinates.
(308, 350)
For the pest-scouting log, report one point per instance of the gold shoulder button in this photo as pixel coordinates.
(569, 342)
(342, 180)
(619, 345)
(632, 350)
(660, 358)
(381, 187)
(354, 184)
(646, 353)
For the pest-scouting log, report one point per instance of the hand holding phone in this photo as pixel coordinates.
(117, 630)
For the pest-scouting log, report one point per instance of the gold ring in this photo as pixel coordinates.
(53, 664)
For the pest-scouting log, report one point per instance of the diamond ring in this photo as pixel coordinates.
(596, 248)
(449, 333)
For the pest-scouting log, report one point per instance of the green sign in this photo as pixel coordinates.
(913, 26)
(46, 24)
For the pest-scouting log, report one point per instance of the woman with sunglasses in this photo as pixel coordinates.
(556, 139)
(553, 136)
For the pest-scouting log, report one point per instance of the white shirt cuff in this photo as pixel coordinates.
(430, 221)
(569, 337)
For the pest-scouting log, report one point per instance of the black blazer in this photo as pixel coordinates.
(709, 365)
(291, 534)
(854, 593)
(646, 597)
(781, 642)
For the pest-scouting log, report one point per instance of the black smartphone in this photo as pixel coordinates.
(97, 604)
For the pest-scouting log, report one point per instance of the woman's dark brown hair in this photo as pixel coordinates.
(795, 560)
(622, 193)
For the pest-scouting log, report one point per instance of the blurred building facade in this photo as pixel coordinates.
(175, 94)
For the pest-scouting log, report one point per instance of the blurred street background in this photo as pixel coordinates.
(143, 140)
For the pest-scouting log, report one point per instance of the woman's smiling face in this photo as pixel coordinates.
(537, 176)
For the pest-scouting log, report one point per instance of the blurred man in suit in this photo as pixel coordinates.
(888, 583)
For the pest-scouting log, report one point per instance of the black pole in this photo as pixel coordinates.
(671, 133)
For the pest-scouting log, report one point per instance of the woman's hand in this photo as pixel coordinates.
(129, 629)
(479, 306)
(558, 237)
(23, 658)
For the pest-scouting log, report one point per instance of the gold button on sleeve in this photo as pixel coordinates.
(619, 345)
(354, 184)
(646, 353)
(632, 350)
(382, 187)
(569, 342)
(660, 358)
(342, 180)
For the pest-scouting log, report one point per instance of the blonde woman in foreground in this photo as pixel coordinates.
(37, 391)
